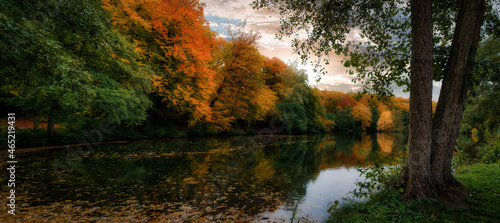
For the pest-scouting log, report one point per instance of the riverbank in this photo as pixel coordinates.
(482, 181)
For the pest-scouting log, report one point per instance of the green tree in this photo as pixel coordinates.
(398, 118)
(300, 110)
(392, 47)
(61, 60)
(486, 93)
(375, 117)
(344, 119)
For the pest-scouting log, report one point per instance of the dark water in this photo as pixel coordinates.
(245, 179)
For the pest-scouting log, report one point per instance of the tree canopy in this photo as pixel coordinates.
(64, 59)
(407, 43)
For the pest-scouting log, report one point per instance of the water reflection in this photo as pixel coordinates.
(221, 178)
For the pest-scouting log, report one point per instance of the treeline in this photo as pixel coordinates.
(356, 111)
(153, 68)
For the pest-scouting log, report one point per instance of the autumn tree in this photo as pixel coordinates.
(174, 39)
(270, 73)
(362, 114)
(347, 101)
(240, 94)
(263, 104)
(331, 100)
(385, 122)
(400, 38)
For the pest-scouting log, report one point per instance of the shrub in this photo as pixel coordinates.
(379, 177)
(490, 153)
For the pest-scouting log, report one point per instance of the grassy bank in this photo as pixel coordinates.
(483, 204)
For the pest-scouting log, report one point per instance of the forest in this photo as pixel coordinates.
(82, 72)
(154, 69)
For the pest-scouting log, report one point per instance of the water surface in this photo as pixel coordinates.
(243, 178)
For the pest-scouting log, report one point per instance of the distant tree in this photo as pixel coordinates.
(331, 100)
(385, 122)
(375, 118)
(398, 119)
(272, 68)
(362, 114)
(264, 104)
(344, 119)
(300, 110)
(347, 101)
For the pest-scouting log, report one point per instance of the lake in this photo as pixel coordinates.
(237, 178)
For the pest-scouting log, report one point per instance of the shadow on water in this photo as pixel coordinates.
(245, 178)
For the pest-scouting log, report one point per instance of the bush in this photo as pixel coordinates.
(378, 177)
(490, 153)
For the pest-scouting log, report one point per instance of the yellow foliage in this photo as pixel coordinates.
(385, 142)
(264, 170)
(385, 122)
(362, 114)
(365, 145)
(381, 107)
(265, 101)
(331, 100)
(434, 106)
(328, 123)
(401, 103)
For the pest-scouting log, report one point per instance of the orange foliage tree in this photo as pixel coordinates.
(346, 101)
(331, 100)
(272, 68)
(174, 39)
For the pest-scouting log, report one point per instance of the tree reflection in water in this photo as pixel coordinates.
(245, 178)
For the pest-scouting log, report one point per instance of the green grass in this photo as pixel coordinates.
(483, 205)
(483, 182)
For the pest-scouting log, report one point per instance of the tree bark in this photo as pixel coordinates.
(454, 89)
(419, 179)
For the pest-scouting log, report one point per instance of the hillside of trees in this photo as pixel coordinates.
(115, 69)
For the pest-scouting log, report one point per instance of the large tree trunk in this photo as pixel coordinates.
(419, 180)
(428, 172)
(453, 93)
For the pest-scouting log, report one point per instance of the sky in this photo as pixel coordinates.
(224, 13)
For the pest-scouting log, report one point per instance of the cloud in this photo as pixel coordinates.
(266, 22)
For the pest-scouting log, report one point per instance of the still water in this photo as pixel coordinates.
(213, 179)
